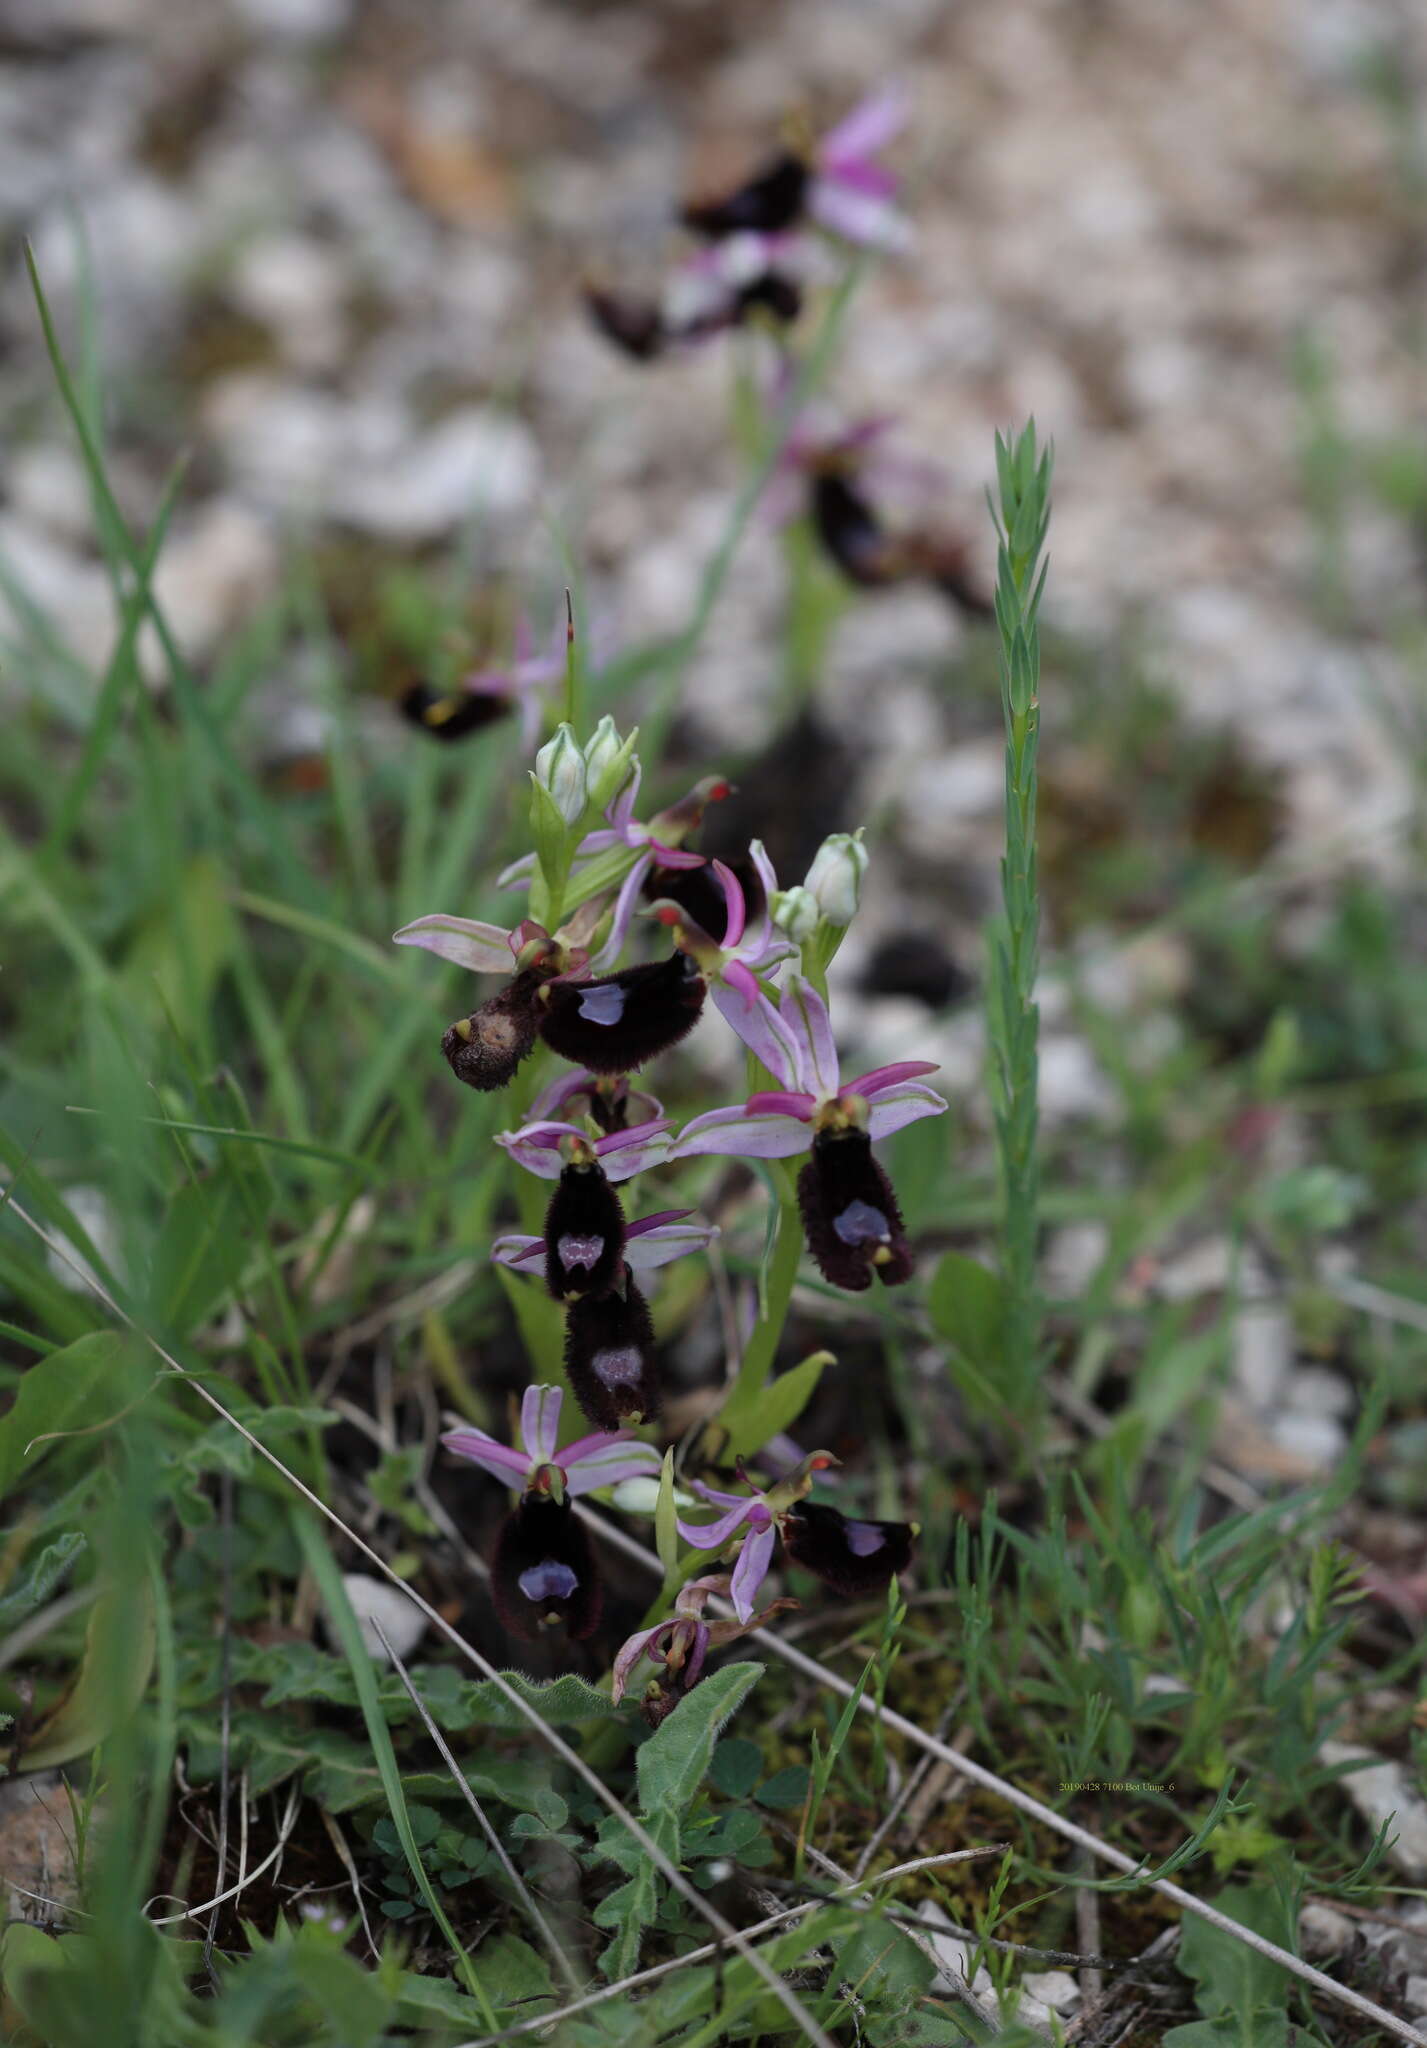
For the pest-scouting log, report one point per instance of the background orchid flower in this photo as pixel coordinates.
(602, 1459)
(527, 681)
(484, 695)
(795, 1042)
(850, 193)
(751, 1514)
(538, 1147)
(850, 1555)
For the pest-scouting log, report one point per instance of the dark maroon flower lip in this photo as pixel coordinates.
(609, 1356)
(451, 714)
(848, 1555)
(485, 1049)
(850, 1215)
(619, 1022)
(767, 203)
(584, 1234)
(543, 1571)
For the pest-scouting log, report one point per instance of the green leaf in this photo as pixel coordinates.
(1240, 1993)
(564, 1702)
(756, 1415)
(666, 1519)
(675, 1760)
(205, 1242)
(785, 1788)
(967, 1305)
(180, 951)
(72, 1389)
(113, 1676)
(344, 1622)
(513, 1973)
(737, 1766)
(31, 1587)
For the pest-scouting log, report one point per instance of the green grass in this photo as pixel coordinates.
(203, 1018)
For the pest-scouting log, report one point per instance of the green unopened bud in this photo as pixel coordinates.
(834, 880)
(560, 769)
(795, 911)
(608, 761)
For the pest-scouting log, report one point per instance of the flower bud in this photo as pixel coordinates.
(560, 769)
(608, 761)
(795, 911)
(835, 878)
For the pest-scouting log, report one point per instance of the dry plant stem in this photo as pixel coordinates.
(538, 1921)
(245, 1877)
(786, 1997)
(710, 1949)
(1046, 1815)
(339, 1843)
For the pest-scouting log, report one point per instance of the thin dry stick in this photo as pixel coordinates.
(713, 1948)
(542, 1925)
(285, 1828)
(339, 1843)
(1046, 1815)
(783, 1992)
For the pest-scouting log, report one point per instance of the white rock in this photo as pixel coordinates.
(1318, 1441)
(218, 565)
(1324, 1932)
(376, 1600)
(47, 483)
(295, 21)
(1262, 1352)
(295, 286)
(1415, 1993)
(1382, 1791)
(1056, 1989)
(952, 1955)
(1074, 1256)
(1072, 1083)
(1315, 1390)
(475, 464)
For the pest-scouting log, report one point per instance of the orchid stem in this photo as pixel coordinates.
(756, 1365)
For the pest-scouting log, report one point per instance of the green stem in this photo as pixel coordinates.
(756, 1365)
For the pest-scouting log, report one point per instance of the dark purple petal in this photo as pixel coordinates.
(609, 1357)
(543, 1570)
(850, 1215)
(632, 324)
(850, 1556)
(620, 1021)
(771, 200)
(451, 714)
(584, 1235)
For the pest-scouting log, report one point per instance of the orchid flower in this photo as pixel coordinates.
(486, 694)
(602, 1459)
(609, 1333)
(607, 1099)
(855, 1556)
(849, 1208)
(850, 193)
(547, 1147)
(795, 1043)
(651, 1242)
(873, 508)
(748, 948)
(543, 1570)
(681, 1643)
